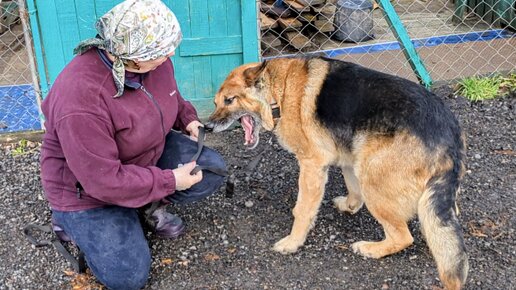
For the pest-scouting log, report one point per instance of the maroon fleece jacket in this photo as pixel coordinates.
(108, 145)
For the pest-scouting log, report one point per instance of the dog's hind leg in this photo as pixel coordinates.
(387, 172)
(354, 201)
(397, 234)
(312, 180)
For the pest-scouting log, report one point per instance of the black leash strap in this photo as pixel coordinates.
(276, 114)
(230, 182)
(148, 210)
(200, 145)
(79, 264)
(251, 167)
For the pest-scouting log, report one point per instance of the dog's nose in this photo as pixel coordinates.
(209, 126)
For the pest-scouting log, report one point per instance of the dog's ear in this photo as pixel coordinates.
(252, 74)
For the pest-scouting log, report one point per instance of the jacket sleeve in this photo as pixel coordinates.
(91, 153)
(186, 112)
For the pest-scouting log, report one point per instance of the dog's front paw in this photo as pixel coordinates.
(367, 249)
(287, 245)
(343, 203)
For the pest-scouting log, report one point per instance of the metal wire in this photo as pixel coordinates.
(19, 109)
(454, 40)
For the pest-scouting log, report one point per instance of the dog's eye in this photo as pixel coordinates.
(228, 101)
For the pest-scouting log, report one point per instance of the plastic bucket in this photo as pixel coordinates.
(353, 20)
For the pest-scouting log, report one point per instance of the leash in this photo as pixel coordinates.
(78, 264)
(230, 182)
(275, 110)
(147, 212)
(200, 146)
(256, 160)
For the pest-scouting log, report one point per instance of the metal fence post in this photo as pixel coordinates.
(30, 53)
(406, 44)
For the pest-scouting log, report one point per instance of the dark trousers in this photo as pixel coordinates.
(113, 243)
(112, 237)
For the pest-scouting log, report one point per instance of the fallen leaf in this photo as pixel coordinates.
(166, 261)
(211, 257)
(85, 281)
(476, 232)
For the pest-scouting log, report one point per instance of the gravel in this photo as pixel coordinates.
(229, 239)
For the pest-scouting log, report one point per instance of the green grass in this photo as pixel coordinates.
(487, 88)
(21, 148)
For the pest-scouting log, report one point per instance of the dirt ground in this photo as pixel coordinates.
(229, 239)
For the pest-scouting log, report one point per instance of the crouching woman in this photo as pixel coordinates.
(108, 117)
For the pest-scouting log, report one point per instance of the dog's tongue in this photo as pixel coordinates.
(248, 128)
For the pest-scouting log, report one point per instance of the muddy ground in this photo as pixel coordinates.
(229, 239)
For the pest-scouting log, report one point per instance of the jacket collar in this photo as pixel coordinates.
(130, 82)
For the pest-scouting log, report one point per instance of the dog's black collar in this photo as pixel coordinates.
(275, 111)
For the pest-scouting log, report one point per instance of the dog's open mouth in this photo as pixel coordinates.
(252, 130)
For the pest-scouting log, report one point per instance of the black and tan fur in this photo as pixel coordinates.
(399, 147)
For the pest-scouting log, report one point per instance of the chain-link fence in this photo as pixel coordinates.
(18, 100)
(454, 38)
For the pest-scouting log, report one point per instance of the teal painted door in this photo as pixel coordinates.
(218, 36)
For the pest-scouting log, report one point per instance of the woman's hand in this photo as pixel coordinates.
(193, 129)
(183, 178)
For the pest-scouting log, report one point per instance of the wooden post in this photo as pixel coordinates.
(250, 33)
(38, 49)
(32, 60)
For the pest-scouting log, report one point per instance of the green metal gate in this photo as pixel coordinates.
(218, 36)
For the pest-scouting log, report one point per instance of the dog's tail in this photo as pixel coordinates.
(441, 228)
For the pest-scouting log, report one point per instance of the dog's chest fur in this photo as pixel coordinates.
(298, 130)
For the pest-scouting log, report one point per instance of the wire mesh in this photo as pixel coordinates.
(18, 101)
(454, 39)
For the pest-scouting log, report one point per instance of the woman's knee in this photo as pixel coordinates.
(129, 271)
(113, 243)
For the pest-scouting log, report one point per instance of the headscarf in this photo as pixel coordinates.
(134, 30)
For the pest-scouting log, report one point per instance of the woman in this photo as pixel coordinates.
(107, 116)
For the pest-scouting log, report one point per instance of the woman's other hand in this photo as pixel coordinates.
(183, 178)
(193, 129)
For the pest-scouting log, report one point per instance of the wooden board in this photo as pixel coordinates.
(307, 17)
(329, 18)
(328, 9)
(266, 22)
(311, 2)
(270, 40)
(298, 40)
(296, 6)
(289, 23)
(324, 25)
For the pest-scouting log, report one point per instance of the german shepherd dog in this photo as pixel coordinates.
(399, 147)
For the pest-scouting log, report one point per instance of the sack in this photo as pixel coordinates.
(179, 150)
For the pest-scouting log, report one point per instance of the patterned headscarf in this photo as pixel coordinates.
(134, 30)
